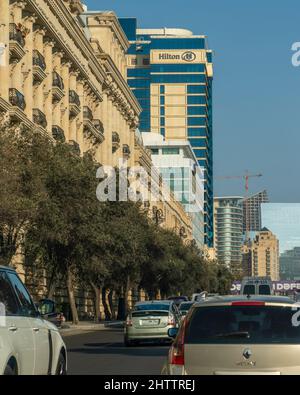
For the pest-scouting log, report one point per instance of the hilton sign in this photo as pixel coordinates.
(175, 56)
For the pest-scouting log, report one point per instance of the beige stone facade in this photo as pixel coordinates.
(65, 79)
(261, 256)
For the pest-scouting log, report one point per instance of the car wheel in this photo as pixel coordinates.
(9, 371)
(61, 369)
(128, 343)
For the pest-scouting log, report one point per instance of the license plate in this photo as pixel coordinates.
(149, 322)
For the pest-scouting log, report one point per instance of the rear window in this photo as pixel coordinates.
(185, 306)
(249, 290)
(152, 307)
(264, 290)
(136, 314)
(242, 324)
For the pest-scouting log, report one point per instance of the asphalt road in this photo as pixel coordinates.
(103, 353)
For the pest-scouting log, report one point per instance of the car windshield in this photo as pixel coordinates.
(243, 324)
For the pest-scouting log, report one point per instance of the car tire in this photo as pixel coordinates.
(128, 343)
(61, 369)
(9, 371)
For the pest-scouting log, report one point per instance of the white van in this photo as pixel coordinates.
(257, 286)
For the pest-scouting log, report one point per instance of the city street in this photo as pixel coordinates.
(104, 353)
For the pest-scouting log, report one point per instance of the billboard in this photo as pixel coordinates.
(278, 287)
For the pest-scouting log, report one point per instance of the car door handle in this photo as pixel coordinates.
(36, 330)
(13, 329)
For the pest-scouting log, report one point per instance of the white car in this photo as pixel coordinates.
(29, 345)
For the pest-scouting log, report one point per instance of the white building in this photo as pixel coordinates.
(179, 168)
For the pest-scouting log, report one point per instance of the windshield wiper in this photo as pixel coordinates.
(235, 334)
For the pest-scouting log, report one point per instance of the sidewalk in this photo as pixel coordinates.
(69, 328)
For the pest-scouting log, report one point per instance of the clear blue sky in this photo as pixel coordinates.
(256, 88)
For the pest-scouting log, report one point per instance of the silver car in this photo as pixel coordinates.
(242, 335)
(151, 321)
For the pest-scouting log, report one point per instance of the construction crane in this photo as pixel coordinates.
(246, 177)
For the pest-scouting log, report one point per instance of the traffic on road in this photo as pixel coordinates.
(249, 334)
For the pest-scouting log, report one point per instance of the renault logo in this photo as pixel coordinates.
(247, 353)
(188, 56)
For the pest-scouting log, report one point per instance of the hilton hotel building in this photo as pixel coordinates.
(170, 72)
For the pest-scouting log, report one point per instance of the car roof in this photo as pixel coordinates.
(244, 298)
(7, 269)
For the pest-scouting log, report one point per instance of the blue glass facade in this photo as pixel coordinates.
(144, 72)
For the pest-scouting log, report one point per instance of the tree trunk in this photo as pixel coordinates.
(126, 295)
(72, 296)
(111, 304)
(97, 292)
(105, 305)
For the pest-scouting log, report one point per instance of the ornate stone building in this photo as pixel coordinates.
(62, 72)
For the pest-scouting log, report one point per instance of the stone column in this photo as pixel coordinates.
(28, 88)
(16, 69)
(79, 119)
(39, 89)
(4, 54)
(47, 84)
(65, 120)
(58, 55)
(73, 86)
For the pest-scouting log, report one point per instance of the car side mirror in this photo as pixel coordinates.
(172, 333)
(46, 307)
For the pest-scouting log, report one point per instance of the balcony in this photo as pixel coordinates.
(93, 128)
(75, 148)
(115, 141)
(16, 43)
(39, 67)
(126, 150)
(39, 118)
(58, 134)
(57, 87)
(74, 103)
(17, 99)
(98, 125)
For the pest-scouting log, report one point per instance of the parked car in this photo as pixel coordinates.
(178, 299)
(29, 344)
(184, 308)
(151, 321)
(239, 335)
(50, 312)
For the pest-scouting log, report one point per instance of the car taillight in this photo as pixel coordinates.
(176, 356)
(128, 322)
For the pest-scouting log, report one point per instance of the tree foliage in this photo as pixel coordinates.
(48, 205)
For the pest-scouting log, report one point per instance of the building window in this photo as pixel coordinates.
(146, 61)
(162, 89)
(170, 151)
(162, 111)
(133, 61)
(155, 151)
(163, 131)
(162, 121)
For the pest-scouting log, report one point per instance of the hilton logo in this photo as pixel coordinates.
(186, 56)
